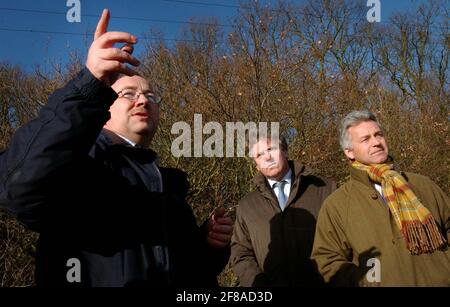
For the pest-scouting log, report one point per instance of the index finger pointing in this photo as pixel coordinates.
(102, 25)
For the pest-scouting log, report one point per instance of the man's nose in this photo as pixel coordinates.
(376, 142)
(142, 100)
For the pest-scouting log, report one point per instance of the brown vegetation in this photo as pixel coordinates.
(303, 66)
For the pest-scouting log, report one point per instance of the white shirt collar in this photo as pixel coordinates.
(127, 140)
(287, 178)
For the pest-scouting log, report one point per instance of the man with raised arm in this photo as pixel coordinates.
(82, 176)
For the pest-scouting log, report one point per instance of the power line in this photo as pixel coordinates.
(275, 10)
(180, 21)
(115, 17)
(43, 32)
(156, 38)
(217, 5)
(204, 3)
(89, 34)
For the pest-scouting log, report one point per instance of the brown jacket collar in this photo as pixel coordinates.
(360, 176)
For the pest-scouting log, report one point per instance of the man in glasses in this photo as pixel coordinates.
(135, 114)
(81, 175)
(275, 224)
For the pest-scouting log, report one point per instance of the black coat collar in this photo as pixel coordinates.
(111, 142)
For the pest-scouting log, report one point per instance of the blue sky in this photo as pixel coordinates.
(28, 49)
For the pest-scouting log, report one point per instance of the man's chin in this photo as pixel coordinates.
(379, 160)
(270, 173)
(143, 129)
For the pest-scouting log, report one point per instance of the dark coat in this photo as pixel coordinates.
(271, 247)
(91, 198)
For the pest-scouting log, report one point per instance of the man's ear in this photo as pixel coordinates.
(349, 153)
(256, 166)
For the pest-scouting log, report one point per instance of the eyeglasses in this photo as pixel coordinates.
(133, 95)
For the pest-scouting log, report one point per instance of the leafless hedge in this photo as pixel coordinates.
(303, 66)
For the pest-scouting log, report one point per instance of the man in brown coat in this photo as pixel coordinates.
(275, 224)
(383, 227)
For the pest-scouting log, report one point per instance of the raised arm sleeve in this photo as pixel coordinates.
(65, 130)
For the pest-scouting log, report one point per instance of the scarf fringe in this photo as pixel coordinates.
(422, 237)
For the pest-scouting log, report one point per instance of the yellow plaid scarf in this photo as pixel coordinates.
(415, 222)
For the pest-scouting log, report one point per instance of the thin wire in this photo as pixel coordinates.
(191, 22)
(89, 34)
(155, 38)
(115, 17)
(275, 10)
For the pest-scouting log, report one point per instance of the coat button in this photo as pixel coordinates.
(374, 196)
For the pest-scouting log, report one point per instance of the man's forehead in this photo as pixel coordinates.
(136, 82)
(262, 144)
(365, 127)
